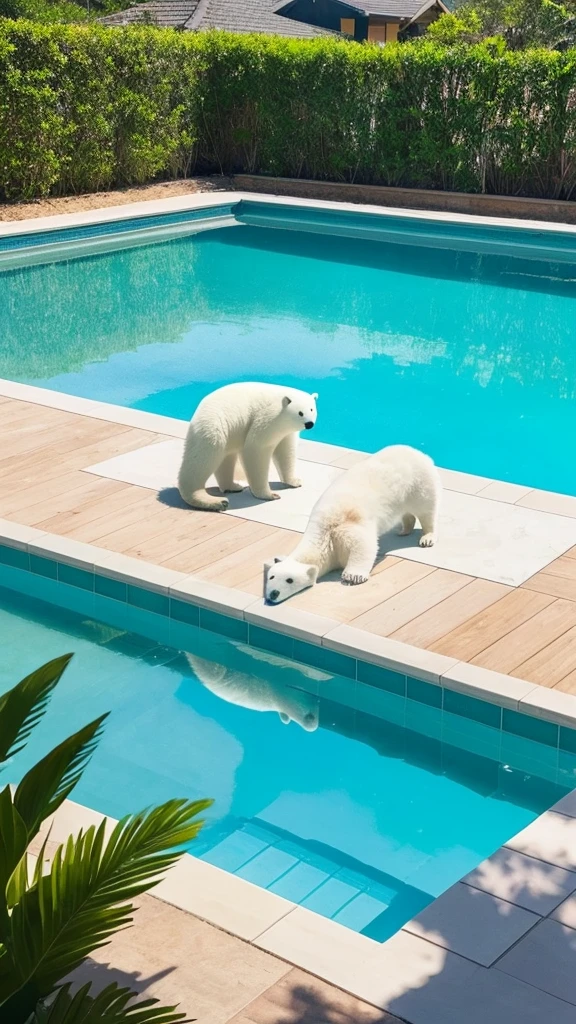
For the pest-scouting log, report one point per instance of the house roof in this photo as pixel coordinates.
(402, 10)
(232, 15)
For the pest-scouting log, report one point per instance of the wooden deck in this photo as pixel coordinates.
(528, 631)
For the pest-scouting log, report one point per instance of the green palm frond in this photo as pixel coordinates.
(113, 1005)
(52, 779)
(22, 707)
(83, 899)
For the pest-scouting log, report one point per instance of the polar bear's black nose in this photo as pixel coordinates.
(274, 595)
(309, 425)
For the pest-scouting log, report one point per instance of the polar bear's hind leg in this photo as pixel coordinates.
(407, 525)
(225, 475)
(428, 521)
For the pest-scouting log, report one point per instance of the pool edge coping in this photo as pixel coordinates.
(507, 691)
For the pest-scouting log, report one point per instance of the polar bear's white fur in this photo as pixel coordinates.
(394, 487)
(257, 423)
(256, 693)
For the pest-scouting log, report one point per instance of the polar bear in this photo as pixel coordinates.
(395, 486)
(256, 422)
(256, 693)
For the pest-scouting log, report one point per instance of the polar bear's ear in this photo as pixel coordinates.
(286, 401)
(279, 558)
(284, 718)
(315, 395)
(312, 573)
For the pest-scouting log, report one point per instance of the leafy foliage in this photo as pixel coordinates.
(519, 23)
(85, 108)
(51, 921)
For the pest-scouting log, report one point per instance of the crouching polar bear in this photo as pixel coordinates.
(257, 423)
(257, 693)
(394, 487)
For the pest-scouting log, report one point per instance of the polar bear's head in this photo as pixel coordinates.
(286, 577)
(300, 409)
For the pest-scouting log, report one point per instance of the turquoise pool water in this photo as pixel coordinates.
(470, 357)
(363, 808)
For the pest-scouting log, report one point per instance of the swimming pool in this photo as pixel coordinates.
(364, 808)
(463, 346)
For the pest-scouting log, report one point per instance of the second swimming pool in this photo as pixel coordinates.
(347, 797)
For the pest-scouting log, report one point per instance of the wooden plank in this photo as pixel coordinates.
(563, 566)
(568, 683)
(66, 455)
(332, 598)
(484, 629)
(520, 644)
(200, 556)
(243, 564)
(94, 490)
(450, 613)
(555, 586)
(97, 530)
(178, 532)
(71, 436)
(90, 509)
(553, 663)
(400, 609)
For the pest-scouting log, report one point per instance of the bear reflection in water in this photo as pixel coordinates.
(261, 691)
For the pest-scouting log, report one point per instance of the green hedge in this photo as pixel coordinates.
(87, 108)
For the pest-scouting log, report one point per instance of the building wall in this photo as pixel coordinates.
(329, 15)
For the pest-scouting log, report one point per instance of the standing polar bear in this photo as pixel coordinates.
(396, 486)
(257, 423)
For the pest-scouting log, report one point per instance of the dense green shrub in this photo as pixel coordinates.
(84, 108)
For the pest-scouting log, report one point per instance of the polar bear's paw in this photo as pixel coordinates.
(294, 482)
(427, 540)
(233, 488)
(351, 580)
(269, 496)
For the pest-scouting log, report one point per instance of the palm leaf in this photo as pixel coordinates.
(13, 843)
(22, 707)
(49, 782)
(83, 900)
(113, 1005)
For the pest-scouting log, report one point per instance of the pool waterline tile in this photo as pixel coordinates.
(530, 728)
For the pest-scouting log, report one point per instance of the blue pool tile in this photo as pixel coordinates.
(568, 739)
(43, 567)
(330, 897)
(74, 598)
(107, 587)
(424, 719)
(321, 657)
(424, 693)
(299, 882)
(234, 851)
(75, 577)
(470, 707)
(114, 613)
(235, 629)
(360, 912)
(268, 640)
(184, 611)
(266, 867)
(148, 624)
(567, 769)
(383, 678)
(525, 755)
(530, 728)
(149, 600)
(14, 556)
